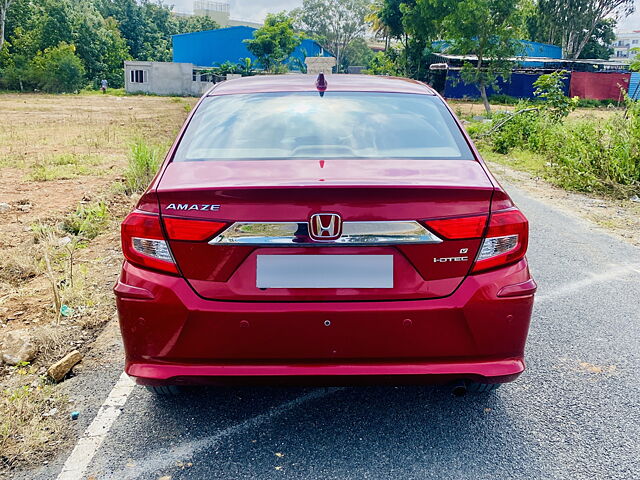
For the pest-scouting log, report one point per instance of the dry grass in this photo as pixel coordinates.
(17, 268)
(60, 158)
(32, 421)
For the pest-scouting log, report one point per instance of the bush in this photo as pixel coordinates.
(503, 99)
(517, 129)
(550, 87)
(143, 165)
(57, 70)
(581, 154)
(87, 221)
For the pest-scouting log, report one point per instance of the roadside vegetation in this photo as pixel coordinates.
(71, 167)
(585, 154)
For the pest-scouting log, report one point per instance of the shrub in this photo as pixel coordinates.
(87, 221)
(517, 129)
(580, 154)
(550, 87)
(143, 165)
(57, 69)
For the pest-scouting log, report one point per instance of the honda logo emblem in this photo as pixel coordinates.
(325, 226)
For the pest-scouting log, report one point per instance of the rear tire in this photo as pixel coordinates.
(164, 390)
(473, 387)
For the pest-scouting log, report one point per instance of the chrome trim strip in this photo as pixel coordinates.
(297, 234)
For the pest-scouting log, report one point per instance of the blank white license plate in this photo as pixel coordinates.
(324, 271)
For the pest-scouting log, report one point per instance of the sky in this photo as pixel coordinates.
(256, 10)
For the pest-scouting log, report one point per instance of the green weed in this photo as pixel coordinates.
(64, 166)
(144, 160)
(588, 155)
(87, 221)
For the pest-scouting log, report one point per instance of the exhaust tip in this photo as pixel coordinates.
(459, 389)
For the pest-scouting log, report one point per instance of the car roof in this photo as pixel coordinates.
(307, 83)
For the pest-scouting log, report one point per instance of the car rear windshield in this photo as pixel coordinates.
(268, 126)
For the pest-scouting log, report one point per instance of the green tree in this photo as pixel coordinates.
(100, 46)
(274, 43)
(131, 22)
(635, 64)
(386, 19)
(484, 28)
(196, 23)
(333, 23)
(145, 25)
(4, 8)
(22, 43)
(550, 87)
(57, 69)
(383, 63)
(358, 53)
(417, 25)
(571, 25)
(601, 40)
(423, 25)
(57, 23)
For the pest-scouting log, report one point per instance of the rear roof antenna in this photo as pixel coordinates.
(321, 84)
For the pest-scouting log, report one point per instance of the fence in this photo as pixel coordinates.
(596, 86)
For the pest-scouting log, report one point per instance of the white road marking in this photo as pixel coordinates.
(167, 457)
(82, 454)
(592, 279)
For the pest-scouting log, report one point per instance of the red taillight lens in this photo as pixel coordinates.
(193, 230)
(143, 243)
(506, 240)
(459, 228)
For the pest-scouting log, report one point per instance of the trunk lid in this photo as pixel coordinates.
(359, 191)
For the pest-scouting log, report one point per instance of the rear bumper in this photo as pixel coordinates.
(498, 371)
(173, 336)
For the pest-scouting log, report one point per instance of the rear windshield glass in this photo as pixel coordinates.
(269, 126)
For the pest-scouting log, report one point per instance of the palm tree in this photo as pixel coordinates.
(374, 18)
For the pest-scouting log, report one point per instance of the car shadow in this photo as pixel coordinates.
(359, 431)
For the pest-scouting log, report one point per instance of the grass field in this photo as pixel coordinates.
(62, 166)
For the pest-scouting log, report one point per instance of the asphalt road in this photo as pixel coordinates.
(573, 415)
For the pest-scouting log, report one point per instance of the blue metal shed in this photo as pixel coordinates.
(537, 49)
(211, 48)
(520, 85)
(528, 49)
(634, 86)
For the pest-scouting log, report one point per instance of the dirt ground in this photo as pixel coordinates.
(59, 153)
(81, 144)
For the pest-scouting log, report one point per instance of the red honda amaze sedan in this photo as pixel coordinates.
(334, 230)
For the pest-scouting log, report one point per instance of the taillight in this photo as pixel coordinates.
(505, 242)
(143, 242)
(459, 228)
(192, 230)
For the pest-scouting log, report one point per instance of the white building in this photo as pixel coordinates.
(186, 79)
(167, 78)
(624, 44)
